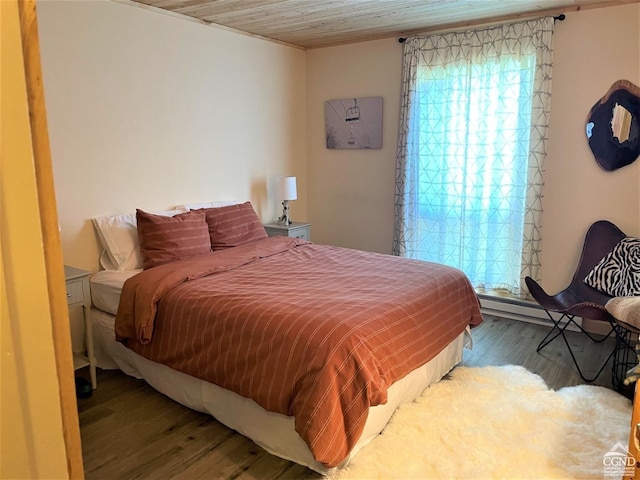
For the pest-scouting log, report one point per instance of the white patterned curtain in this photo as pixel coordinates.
(473, 128)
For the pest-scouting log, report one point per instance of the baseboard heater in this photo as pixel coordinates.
(516, 309)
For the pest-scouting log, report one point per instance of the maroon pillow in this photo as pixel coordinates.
(167, 239)
(233, 225)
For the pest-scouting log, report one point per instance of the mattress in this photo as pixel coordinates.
(106, 287)
(272, 431)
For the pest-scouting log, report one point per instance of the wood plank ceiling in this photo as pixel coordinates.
(319, 23)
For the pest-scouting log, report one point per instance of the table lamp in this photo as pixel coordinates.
(286, 190)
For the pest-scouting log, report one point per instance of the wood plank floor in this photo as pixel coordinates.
(129, 431)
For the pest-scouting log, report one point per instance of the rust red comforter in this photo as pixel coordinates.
(305, 330)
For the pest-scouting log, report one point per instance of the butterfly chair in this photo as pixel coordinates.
(579, 299)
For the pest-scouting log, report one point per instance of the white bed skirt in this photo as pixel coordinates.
(272, 431)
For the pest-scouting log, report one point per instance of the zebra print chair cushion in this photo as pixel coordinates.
(618, 274)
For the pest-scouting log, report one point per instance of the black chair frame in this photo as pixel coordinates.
(580, 300)
(559, 327)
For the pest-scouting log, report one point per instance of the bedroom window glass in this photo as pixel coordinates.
(472, 140)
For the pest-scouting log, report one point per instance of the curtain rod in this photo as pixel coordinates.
(557, 18)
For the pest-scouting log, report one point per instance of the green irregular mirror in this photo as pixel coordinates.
(613, 126)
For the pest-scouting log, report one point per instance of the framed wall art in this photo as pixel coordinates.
(353, 122)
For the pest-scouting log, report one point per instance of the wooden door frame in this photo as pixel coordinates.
(54, 263)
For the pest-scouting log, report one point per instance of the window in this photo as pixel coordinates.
(465, 158)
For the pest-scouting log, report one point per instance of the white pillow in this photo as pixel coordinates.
(118, 235)
(196, 206)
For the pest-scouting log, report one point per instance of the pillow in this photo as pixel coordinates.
(198, 206)
(118, 235)
(618, 274)
(233, 225)
(626, 309)
(167, 239)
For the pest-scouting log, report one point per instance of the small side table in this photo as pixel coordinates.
(625, 356)
(296, 229)
(79, 295)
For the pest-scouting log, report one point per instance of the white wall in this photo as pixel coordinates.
(149, 111)
(593, 49)
(351, 192)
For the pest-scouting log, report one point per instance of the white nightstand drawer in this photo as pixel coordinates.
(75, 292)
(295, 230)
(300, 233)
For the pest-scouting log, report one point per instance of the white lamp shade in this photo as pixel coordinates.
(286, 188)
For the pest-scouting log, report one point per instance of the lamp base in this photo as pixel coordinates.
(284, 219)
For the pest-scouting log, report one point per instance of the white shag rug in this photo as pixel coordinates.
(501, 423)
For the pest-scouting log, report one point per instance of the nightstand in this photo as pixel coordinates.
(296, 229)
(79, 295)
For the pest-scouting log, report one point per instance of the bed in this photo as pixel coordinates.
(306, 349)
